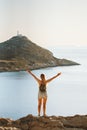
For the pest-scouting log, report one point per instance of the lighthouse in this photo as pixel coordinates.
(18, 34)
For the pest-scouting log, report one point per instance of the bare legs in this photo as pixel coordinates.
(44, 106)
(40, 104)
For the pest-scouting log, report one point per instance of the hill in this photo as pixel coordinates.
(20, 53)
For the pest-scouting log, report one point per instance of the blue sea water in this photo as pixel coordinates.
(67, 94)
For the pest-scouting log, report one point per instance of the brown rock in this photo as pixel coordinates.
(5, 122)
(31, 122)
(77, 121)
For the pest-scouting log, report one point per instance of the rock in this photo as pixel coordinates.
(4, 121)
(75, 121)
(19, 53)
(30, 122)
(9, 128)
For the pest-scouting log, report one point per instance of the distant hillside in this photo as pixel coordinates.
(20, 53)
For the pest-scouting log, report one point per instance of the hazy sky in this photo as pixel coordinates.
(45, 22)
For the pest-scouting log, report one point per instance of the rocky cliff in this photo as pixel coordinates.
(19, 53)
(77, 122)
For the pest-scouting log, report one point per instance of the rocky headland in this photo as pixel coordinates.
(30, 122)
(20, 53)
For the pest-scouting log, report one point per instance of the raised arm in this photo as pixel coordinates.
(53, 77)
(33, 75)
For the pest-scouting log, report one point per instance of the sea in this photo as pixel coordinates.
(67, 94)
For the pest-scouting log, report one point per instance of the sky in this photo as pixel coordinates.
(45, 22)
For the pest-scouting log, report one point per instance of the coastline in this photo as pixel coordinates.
(13, 66)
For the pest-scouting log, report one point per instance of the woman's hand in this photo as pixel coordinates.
(59, 74)
(28, 71)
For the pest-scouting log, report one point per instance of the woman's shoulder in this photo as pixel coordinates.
(42, 82)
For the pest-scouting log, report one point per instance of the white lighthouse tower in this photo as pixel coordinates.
(18, 34)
